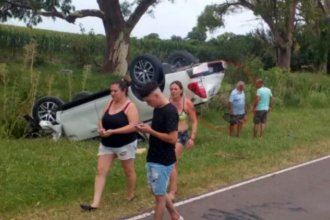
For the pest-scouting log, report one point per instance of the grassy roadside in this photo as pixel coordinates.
(42, 179)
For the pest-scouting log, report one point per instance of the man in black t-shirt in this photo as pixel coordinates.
(161, 154)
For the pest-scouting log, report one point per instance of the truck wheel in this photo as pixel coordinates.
(45, 108)
(146, 68)
(181, 58)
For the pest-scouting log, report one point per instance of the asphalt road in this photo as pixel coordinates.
(298, 193)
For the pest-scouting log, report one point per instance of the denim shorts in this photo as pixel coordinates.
(158, 176)
(236, 119)
(125, 152)
(183, 137)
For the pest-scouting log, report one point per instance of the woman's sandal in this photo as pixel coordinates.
(87, 207)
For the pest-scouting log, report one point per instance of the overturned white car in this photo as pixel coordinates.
(77, 120)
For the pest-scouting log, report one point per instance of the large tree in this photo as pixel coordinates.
(279, 15)
(119, 19)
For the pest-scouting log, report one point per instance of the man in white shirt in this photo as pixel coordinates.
(237, 109)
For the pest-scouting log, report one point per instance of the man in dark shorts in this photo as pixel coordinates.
(237, 109)
(161, 153)
(262, 105)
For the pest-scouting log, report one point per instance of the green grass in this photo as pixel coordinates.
(54, 80)
(43, 179)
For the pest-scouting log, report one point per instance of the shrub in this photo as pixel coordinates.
(292, 98)
(318, 99)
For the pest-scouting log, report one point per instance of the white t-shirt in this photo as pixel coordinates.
(237, 99)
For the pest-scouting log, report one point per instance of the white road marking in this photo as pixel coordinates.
(141, 216)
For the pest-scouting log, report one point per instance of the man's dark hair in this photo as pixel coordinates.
(147, 89)
(260, 81)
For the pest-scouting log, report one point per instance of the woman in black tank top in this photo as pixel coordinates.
(116, 121)
(118, 140)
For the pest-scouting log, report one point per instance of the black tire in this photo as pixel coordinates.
(181, 58)
(146, 68)
(81, 95)
(45, 108)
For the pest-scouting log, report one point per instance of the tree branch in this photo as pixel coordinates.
(247, 4)
(71, 17)
(138, 13)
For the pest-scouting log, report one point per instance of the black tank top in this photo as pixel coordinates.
(114, 121)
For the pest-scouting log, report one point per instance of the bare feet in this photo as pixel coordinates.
(131, 198)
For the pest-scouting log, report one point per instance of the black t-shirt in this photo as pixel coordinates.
(165, 120)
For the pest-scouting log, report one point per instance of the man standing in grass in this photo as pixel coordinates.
(237, 109)
(161, 153)
(262, 105)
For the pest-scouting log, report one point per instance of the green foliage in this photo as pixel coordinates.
(298, 89)
(26, 10)
(318, 99)
(212, 17)
(161, 48)
(56, 47)
(17, 99)
(197, 34)
(312, 38)
(312, 51)
(176, 38)
(242, 48)
(152, 36)
(289, 89)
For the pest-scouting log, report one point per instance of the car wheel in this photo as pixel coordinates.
(146, 68)
(181, 58)
(45, 108)
(81, 95)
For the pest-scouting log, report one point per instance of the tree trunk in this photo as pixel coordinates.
(323, 68)
(118, 32)
(282, 30)
(283, 46)
(283, 38)
(117, 38)
(116, 57)
(284, 57)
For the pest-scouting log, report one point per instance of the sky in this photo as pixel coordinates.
(168, 19)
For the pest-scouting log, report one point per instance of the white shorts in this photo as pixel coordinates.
(125, 152)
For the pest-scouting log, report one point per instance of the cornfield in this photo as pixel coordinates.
(15, 38)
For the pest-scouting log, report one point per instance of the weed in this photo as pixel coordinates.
(86, 74)
(69, 80)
